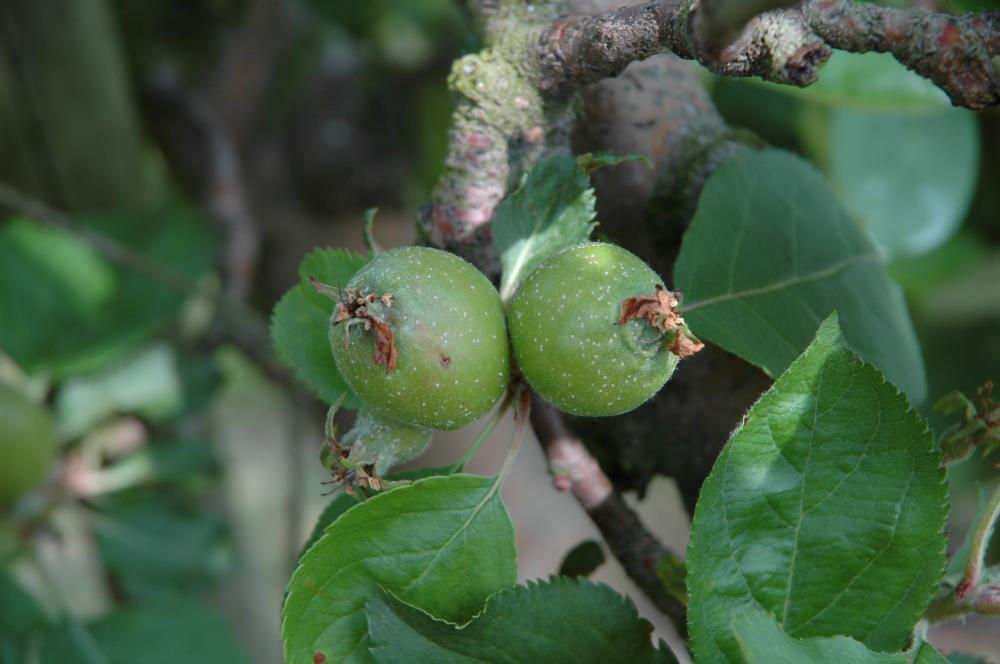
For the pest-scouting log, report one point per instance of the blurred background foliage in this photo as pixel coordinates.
(186, 480)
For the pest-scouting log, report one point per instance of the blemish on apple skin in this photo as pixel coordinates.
(319, 658)
(445, 361)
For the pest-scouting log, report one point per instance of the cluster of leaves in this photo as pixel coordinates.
(351, 601)
(785, 558)
(819, 535)
(105, 346)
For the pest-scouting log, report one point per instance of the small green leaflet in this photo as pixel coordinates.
(762, 641)
(19, 612)
(826, 508)
(583, 559)
(300, 324)
(553, 209)
(770, 253)
(559, 621)
(418, 542)
(928, 654)
(592, 161)
(49, 282)
(299, 332)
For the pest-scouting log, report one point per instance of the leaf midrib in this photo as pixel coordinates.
(465, 524)
(825, 273)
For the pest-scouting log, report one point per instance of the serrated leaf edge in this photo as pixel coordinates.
(494, 490)
(693, 550)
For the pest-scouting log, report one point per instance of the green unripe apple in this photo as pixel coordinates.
(594, 332)
(420, 337)
(27, 443)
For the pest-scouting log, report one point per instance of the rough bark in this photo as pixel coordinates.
(777, 45)
(953, 51)
(785, 45)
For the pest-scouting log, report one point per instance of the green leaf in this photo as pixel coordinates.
(67, 310)
(418, 541)
(146, 383)
(827, 508)
(169, 633)
(928, 654)
(69, 641)
(299, 331)
(592, 161)
(909, 178)
(558, 621)
(330, 513)
(344, 502)
(762, 641)
(770, 254)
(49, 281)
(870, 81)
(334, 267)
(19, 612)
(177, 236)
(583, 559)
(157, 549)
(553, 209)
(672, 573)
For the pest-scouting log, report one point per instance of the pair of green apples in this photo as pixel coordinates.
(426, 343)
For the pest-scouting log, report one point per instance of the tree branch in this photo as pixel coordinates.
(501, 125)
(785, 45)
(953, 51)
(776, 45)
(575, 470)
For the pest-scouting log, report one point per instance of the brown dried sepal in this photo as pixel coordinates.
(385, 346)
(660, 311)
(354, 307)
(685, 345)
